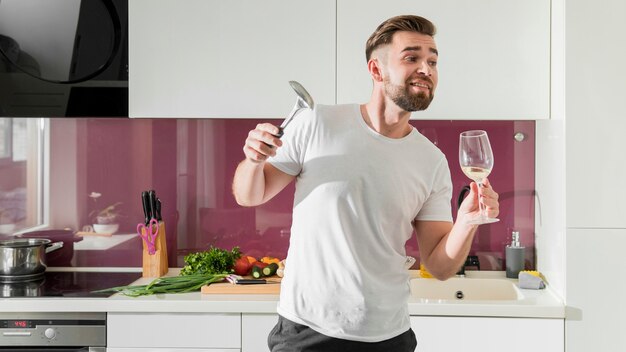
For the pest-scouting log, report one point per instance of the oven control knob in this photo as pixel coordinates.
(50, 333)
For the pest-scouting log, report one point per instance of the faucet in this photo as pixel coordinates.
(470, 261)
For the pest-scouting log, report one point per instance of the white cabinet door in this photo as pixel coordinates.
(254, 331)
(228, 58)
(474, 334)
(172, 349)
(595, 311)
(595, 121)
(173, 330)
(494, 55)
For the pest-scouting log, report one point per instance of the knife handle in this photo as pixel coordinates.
(145, 202)
(152, 198)
(251, 281)
(158, 209)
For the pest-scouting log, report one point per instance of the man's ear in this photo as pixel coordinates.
(374, 66)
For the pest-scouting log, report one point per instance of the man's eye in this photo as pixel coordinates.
(410, 58)
(432, 63)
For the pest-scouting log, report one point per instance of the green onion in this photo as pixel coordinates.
(172, 284)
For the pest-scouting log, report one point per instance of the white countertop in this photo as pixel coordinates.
(535, 303)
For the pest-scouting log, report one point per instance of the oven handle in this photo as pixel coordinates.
(66, 349)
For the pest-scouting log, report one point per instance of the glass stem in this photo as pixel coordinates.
(481, 206)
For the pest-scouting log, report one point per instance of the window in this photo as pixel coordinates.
(21, 174)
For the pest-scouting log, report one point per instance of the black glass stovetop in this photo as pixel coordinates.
(68, 284)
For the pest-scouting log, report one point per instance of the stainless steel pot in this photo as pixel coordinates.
(23, 257)
(64, 256)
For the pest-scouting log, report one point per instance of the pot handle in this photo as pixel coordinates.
(54, 246)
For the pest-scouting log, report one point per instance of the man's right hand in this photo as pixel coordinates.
(262, 143)
(255, 182)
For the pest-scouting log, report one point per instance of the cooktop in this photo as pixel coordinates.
(68, 284)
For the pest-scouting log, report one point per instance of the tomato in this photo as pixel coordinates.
(261, 265)
(242, 266)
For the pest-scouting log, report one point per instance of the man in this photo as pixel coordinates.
(365, 178)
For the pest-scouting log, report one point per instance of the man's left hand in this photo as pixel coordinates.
(470, 208)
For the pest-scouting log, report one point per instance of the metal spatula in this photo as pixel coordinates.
(304, 101)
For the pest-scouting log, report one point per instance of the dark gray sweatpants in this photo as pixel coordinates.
(288, 336)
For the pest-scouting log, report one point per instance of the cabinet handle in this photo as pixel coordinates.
(16, 333)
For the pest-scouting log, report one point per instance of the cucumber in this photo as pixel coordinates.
(270, 269)
(257, 272)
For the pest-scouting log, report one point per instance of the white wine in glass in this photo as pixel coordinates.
(476, 159)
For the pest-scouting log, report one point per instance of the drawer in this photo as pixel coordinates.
(174, 330)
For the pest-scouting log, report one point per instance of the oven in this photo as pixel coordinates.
(58, 332)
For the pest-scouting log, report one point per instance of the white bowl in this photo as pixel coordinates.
(106, 228)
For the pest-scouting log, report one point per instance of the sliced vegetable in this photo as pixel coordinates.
(270, 269)
(257, 272)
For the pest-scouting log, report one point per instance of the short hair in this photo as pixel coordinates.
(385, 31)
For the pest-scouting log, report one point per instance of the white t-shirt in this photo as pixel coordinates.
(357, 193)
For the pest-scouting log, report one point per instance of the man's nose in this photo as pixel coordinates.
(424, 68)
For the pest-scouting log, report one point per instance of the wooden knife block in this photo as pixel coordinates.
(155, 265)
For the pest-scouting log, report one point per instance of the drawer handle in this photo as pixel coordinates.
(16, 333)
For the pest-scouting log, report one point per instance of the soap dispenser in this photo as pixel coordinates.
(514, 256)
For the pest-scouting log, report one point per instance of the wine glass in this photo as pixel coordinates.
(476, 159)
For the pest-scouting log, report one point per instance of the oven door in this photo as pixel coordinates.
(59, 332)
(54, 349)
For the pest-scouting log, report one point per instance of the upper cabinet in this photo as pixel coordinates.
(234, 58)
(494, 55)
(228, 58)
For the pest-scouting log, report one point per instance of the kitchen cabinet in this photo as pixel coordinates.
(595, 121)
(255, 328)
(433, 333)
(494, 56)
(228, 58)
(170, 350)
(595, 289)
(480, 334)
(173, 331)
(233, 58)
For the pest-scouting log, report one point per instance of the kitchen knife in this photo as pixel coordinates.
(145, 202)
(251, 281)
(158, 209)
(153, 203)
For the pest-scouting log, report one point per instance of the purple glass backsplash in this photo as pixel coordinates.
(190, 163)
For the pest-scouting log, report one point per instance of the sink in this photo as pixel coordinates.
(460, 289)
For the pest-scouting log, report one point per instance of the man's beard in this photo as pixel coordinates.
(404, 99)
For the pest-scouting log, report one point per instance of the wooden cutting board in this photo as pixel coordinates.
(272, 287)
